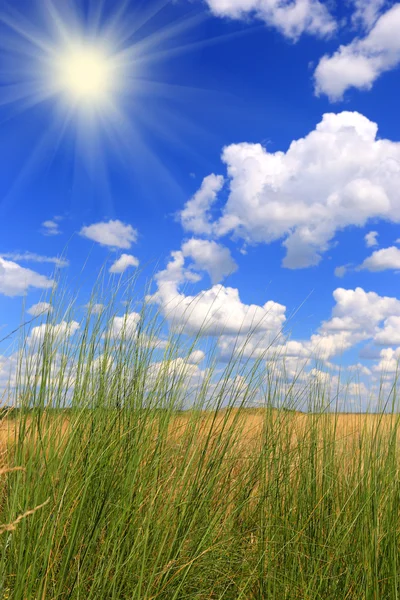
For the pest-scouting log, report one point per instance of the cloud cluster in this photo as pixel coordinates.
(339, 175)
(357, 316)
(215, 311)
(361, 62)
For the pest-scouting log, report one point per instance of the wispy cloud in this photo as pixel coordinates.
(52, 226)
(41, 308)
(33, 257)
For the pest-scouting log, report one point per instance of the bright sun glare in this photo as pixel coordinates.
(85, 74)
(92, 68)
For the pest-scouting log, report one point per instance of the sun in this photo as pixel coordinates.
(96, 73)
(85, 74)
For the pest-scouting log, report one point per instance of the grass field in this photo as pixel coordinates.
(110, 490)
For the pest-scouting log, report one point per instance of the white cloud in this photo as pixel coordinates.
(290, 18)
(41, 308)
(356, 317)
(195, 216)
(382, 260)
(339, 175)
(125, 326)
(111, 233)
(213, 311)
(123, 262)
(181, 375)
(390, 334)
(268, 345)
(8, 372)
(33, 257)
(196, 357)
(257, 331)
(16, 280)
(57, 332)
(362, 61)
(211, 257)
(359, 369)
(51, 227)
(95, 309)
(371, 239)
(389, 361)
(366, 12)
(340, 271)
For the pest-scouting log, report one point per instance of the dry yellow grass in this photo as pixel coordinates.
(344, 426)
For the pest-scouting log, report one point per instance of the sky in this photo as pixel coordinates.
(243, 154)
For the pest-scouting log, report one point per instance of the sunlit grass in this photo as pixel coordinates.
(122, 480)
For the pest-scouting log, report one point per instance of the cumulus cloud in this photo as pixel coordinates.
(195, 217)
(33, 257)
(357, 316)
(125, 326)
(210, 257)
(292, 19)
(111, 233)
(371, 239)
(211, 312)
(362, 61)
(123, 262)
(382, 260)
(196, 357)
(389, 361)
(339, 175)
(52, 331)
(41, 308)
(390, 333)
(359, 369)
(258, 330)
(184, 378)
(16, 280)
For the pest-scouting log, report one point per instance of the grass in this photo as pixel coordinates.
(122, 480)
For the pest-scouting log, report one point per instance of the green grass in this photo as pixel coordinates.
(133, 497)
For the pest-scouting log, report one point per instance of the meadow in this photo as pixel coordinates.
(122, 479)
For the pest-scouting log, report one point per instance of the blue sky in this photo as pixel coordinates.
(256, 140)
